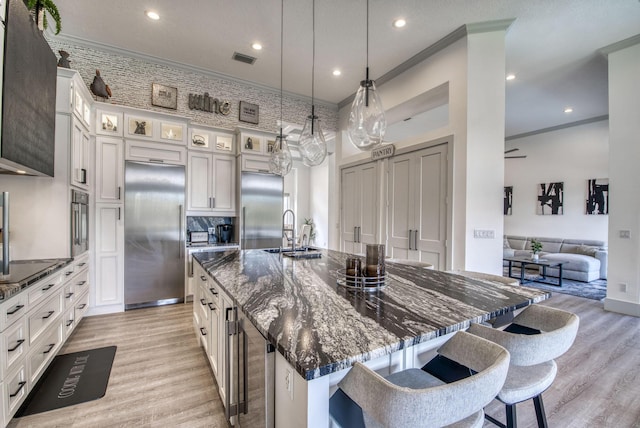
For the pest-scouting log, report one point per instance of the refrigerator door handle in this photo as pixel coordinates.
(180, 233)
(244, 225)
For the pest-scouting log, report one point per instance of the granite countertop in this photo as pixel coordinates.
(321, 327)
(23, 273)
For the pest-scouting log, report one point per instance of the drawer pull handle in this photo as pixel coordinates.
(68, 295)
(203, 302)
(202, 277)
(16, 309)
(48, 287)
(18, 344)
(203, 331)
(48, 315)
(20, 386)
(82, 306)
(82, 283)
(211, 306)
(213, 291)
(69, 323)
(51, 346)
(68, 273)
(81, 264)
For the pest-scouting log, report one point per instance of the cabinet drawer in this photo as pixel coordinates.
(68, 271)
(81, 282)
(43, 351)
(12, 310)
(44, 316)
(81, 305)
(68, 322)
(14, 391)
(43, 289)
(68, 293)
(15, 345)
(255, 163)
(81, 263)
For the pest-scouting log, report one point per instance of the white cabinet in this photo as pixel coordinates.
(33, 327)
(74, 100)
(80, 154)
(359, 193)
(146, 151)
(211, 183)
(109, 170)
(108, 292)
(211, 140)
(417, 190)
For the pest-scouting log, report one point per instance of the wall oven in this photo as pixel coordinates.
(79, 222)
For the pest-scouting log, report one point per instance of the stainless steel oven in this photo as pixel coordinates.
(79, 222)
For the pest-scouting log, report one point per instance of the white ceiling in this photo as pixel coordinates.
(552, 46)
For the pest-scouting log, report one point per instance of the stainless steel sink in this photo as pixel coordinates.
(298, 253)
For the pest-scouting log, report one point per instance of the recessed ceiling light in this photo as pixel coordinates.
(511, 76)
(399, 23)
(337, 72)
(19, 171)
(152, 15)
(257, 46)
(568, 110)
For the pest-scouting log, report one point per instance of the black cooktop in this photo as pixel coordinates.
(29, 270)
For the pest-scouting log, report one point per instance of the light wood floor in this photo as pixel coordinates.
(160, 377)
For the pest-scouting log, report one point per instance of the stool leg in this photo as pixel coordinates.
(512, 420)
(540, 415)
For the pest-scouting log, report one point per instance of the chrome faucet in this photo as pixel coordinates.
(292, 230)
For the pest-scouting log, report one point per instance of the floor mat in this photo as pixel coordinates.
(71, 379)
(595, 290)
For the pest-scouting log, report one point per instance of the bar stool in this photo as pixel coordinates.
(537, 336)
(414, 398)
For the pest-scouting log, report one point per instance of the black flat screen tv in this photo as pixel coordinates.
(28, 93)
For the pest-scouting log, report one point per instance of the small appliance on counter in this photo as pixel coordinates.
(224, 233)
(198, 238)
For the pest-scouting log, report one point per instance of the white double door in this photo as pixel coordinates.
(417, 215)
(359, 207)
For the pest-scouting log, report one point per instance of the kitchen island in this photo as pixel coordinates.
(320, 328)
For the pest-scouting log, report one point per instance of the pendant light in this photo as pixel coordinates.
(281, 161)
(313, 146)
(367, 123)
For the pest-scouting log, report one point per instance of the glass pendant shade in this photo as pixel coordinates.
(280, 161)
(367, 122)
(313, 147)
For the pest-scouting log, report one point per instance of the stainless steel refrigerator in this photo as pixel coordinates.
(261, 215)
(153, 234)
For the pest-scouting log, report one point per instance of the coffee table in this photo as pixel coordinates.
(524, 261)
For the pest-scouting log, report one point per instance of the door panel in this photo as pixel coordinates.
(400, 214)
(368, 192)
(350, 208)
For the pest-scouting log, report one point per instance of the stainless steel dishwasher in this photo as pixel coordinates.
(250, 363)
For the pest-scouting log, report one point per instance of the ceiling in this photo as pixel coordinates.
(551, 47)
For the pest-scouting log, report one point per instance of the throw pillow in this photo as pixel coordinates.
(505, 244)
(586, 250)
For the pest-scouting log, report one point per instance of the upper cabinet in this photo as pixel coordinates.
(211, 184)
(211, 140)
(74, 103)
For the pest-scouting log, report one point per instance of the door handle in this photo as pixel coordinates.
(20, 386)
(119, 192)
(18, 344)
(355, 233)
(84, 175)
(415, 239)
(244, 230)
(119, 214)
(180, 232)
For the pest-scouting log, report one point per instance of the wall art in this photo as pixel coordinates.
(550, 198)
(597, 196)
(140, 127)
(164, 96)
(109, 123)
(508, 200)
(249, 113)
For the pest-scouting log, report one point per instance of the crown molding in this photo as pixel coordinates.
(103, 47)
(622, 44)
(558, 127)
(443, 43)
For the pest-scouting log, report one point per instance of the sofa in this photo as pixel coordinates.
(585, 260)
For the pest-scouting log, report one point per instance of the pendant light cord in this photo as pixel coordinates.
(313, 62)
(367, 39)
(281, 62)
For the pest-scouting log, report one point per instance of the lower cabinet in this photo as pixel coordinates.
(36, 323)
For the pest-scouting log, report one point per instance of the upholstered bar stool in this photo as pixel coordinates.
(414, 398)
(537, 336)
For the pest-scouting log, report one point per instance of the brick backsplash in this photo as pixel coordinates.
(130, 81)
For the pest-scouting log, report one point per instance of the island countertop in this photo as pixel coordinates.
(321, 327)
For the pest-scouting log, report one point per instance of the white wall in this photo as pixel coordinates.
(319, 201)
(623, 290)
(571, 155)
